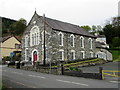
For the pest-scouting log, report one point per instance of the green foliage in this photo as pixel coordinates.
(13, 27)
(116, 42)
(73, 69)
(87, 28)
(18, 27)
(115, 54)
(112, 32)
(7, 58)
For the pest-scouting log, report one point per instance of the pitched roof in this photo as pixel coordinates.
(2, 39)
(66, 27)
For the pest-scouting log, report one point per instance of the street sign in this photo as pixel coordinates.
(11, 54)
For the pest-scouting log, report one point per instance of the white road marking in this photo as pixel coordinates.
(37, 76)
(71, 82)
(17, 73)
(23, 84)
(114, 81)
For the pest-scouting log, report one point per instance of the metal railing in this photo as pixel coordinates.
(113, 73)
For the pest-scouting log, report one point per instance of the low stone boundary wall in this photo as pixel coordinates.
(85, 75)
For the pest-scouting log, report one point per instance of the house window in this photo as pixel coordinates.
(72, 40)
(17, 46)
(83, 54)
(90, 43)
(91, 54)
(82, 42)
(72, 55)
(61, 55)
(60, 39)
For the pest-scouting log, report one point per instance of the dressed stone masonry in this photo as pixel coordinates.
(63, 41)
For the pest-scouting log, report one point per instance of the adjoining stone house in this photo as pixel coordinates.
(101, 48)
(47, 40)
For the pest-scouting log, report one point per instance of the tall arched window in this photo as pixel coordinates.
(60, 39)
(34, 36)
(26, 41)
(90, 43)
(72, 40)
(82, 42)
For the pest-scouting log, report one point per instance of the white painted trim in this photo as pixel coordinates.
(32, 55)
(61, 50)
(91, 44)
(82, 38)
(73, 54)
(83, 54)
(33, 33)
(91, 54)
(62, 37)
(73, 39)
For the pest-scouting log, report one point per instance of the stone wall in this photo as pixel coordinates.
(52, 43)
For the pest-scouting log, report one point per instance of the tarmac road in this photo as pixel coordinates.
(16, 78)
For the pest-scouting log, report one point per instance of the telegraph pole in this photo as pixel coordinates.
(44, 61)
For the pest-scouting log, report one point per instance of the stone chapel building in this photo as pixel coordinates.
(47, 39)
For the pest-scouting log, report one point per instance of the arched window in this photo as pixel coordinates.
(90, 43)
(26, 41)
(60, 39)
(34, 36)
(72, 40)
(82, 42)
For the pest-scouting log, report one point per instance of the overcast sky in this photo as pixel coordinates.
(80, 12)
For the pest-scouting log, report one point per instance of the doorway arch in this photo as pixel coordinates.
(35, 56)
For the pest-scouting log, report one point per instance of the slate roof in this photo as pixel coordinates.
(66, 27)
(99, 44)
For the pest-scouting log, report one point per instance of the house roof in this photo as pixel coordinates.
(99, 44)
(66, 27)
(3, 39)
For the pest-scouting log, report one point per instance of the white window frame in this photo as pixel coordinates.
(26, 54)
(61, 50)
(72, 37)
(82, 40)
(83, 52)
(90, 43)
(34, 39)
(26, 40)
(73, 51)
(62, 36)
(91, 54)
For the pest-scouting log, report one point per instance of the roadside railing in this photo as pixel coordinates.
(113, 73)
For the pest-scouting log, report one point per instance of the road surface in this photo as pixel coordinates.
(16, 78)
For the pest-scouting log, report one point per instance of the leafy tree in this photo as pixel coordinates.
(86, 27)
(112, 32)
(18, 27)
(116, 42)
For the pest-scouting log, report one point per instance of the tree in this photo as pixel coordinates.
(112, 32)
(116, 42)
(18, 27)
(86, 27)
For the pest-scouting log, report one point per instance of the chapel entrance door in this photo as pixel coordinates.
(34, 56)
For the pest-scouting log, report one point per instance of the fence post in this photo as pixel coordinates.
(101, 74)
(62, 69)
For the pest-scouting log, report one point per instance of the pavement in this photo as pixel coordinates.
(16, 78)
